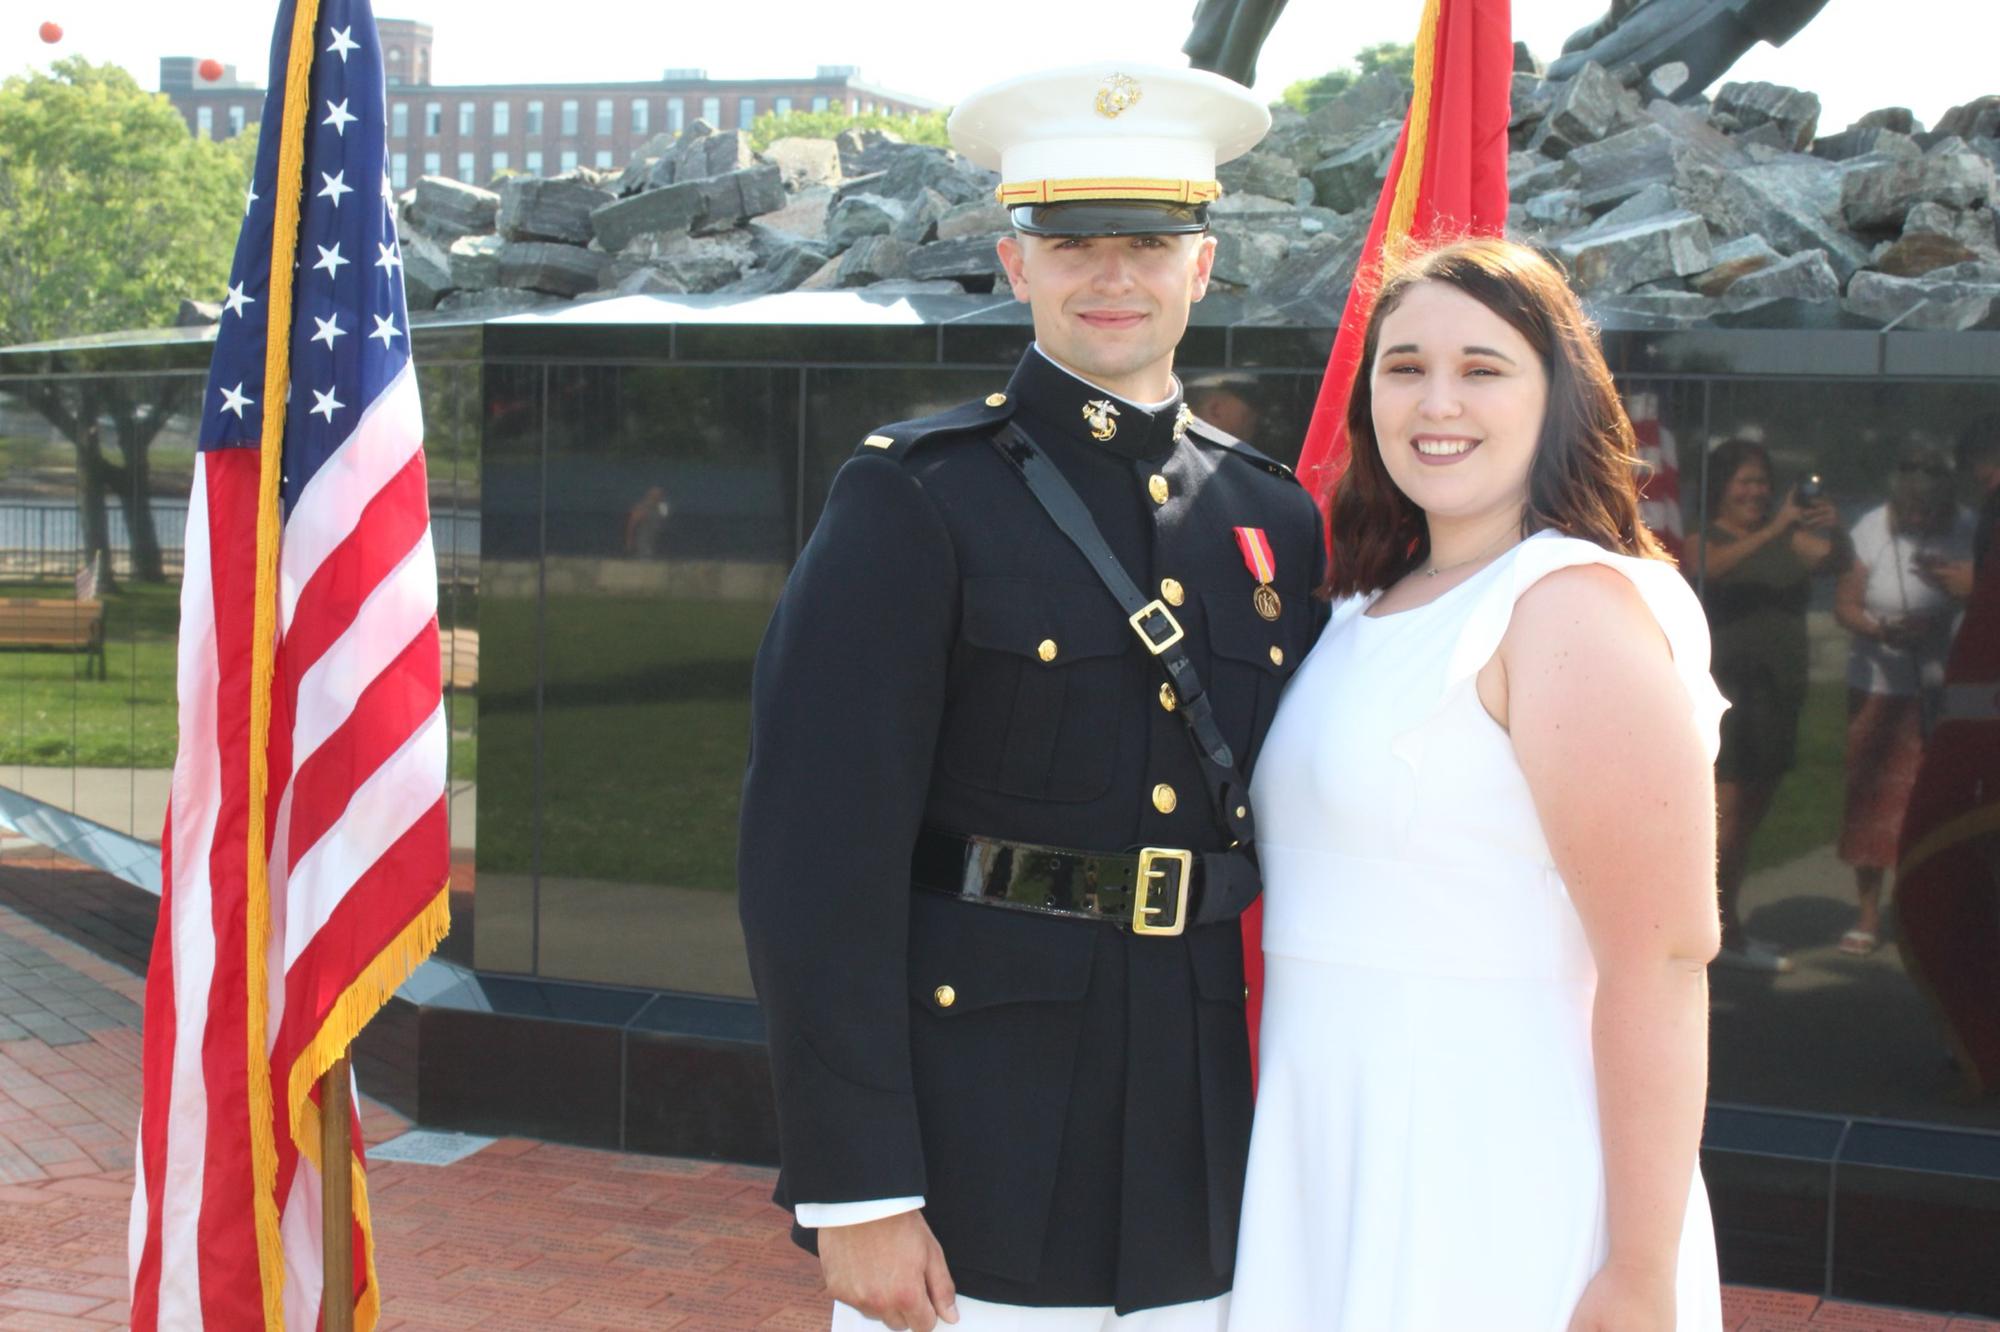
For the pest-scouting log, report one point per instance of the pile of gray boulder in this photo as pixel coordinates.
(1732, 209)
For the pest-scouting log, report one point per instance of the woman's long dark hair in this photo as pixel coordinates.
(1584, 478)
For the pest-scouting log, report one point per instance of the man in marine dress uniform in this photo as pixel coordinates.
(994, 835)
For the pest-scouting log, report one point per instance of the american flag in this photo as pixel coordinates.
(305, 852)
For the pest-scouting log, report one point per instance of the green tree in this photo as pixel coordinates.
(923, 127)
(110, 213)
(1397, 58)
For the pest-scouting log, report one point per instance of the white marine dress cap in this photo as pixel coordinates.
(1109, 148)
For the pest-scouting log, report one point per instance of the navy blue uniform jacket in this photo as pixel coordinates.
(1077, 1117)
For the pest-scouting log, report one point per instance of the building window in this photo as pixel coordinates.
(235, 121)
(465, 167)
(399, 120)
(676, 115)
(604, 117)
(569, 159)
(819, 103)
(711, 111)
(534, 161)
(499, 163)
(534, 118)
(204, 122)
(569, 118)
(433, 164)
(399, 169)
(433, 119)
(746, 111)
(466, 111)
(603, 162)
(502, 117)
(783, 106)
(641, 115)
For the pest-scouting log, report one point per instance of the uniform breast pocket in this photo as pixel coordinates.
(1035, 687)
(1251, 662)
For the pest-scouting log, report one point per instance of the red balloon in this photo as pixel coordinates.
(52, 33)
(210, 70)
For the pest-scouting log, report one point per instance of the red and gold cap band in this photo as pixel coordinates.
(1014, 193)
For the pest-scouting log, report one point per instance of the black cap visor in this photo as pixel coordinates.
(1111, 217)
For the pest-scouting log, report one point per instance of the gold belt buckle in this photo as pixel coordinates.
(1152, 608)
(1143, 909)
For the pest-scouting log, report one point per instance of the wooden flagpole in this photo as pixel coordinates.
(336, 1200)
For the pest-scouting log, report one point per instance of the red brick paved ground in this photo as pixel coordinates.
(523, 1235)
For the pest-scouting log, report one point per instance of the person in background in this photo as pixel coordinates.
(1756, 560)
(1978, 455)
(1895, 600)
(1227, 402)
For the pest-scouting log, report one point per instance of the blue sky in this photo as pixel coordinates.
(1859, 54)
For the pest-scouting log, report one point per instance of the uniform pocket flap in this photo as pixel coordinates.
(1217, 964)
(966, 956)
(1238, 632)
(1051, 622)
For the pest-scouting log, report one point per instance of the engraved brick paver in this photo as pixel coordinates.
(521, 1236)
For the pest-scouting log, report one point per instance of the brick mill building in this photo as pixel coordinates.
(472, 132)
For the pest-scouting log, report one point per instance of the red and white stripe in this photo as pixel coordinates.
(357, 848)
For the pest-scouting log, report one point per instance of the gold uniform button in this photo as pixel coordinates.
(1164, 798)
(1047, 651)
(996, 400)
(1277, 656)
(945, 996)
(1171, 592)
(1157, 488)
(1168, 698)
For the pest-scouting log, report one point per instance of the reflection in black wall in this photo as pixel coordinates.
(620, 525)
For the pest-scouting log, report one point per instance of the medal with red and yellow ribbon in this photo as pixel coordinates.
(1263, 566)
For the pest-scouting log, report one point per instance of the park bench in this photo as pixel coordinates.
(34, 625)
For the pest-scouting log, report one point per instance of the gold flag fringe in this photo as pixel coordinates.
(257, 906)
(358, 1003)
(1403, 213)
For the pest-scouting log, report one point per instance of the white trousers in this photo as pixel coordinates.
(979, 1316)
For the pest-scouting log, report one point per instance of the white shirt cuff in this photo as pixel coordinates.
(818, 1216)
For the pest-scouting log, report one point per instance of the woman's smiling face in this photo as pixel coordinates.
(1458, 402)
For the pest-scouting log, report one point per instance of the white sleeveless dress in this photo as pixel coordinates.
(1426, 1154)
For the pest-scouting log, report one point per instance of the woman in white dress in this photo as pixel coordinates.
(1487, 827)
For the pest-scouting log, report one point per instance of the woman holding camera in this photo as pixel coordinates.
(1898, 603)
(1756, 560)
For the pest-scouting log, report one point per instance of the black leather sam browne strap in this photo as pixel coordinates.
(1155, 625)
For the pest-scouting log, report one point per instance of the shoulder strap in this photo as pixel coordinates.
(1235, 447)
(1154, 624)
(898, 439)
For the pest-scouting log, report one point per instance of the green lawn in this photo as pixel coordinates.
(646, 729)
(53, 715)
(1806, 812)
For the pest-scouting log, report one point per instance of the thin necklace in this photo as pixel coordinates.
(1437, 569)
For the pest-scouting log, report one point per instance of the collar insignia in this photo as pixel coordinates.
(1097, 414)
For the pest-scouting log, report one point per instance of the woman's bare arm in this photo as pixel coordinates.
(1605, 734)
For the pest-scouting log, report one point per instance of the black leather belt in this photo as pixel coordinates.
(1155, 890)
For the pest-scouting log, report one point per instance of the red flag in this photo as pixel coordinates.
(304, 859)
(1948, 865)
(1448, 178)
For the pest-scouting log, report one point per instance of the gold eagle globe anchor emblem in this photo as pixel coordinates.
(1118, 94)
(1097, 415)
